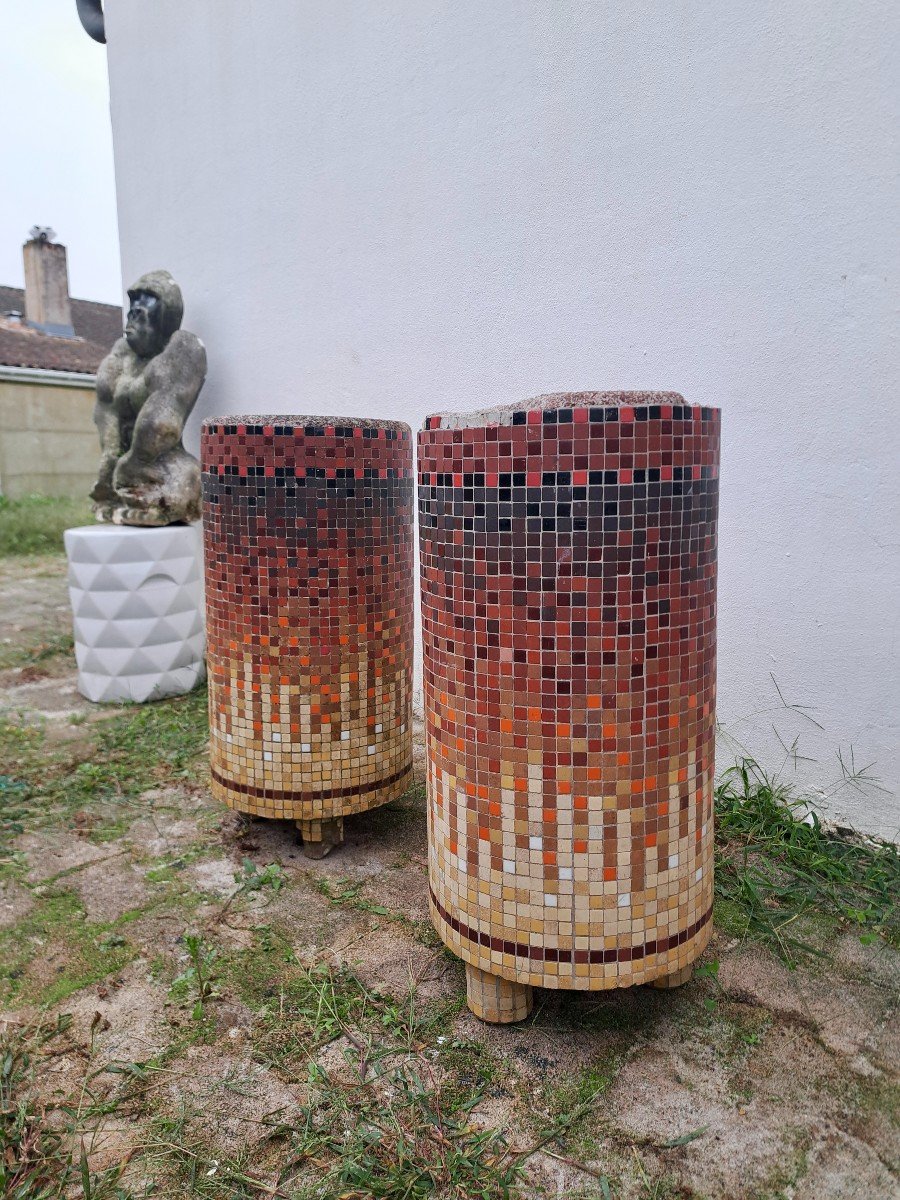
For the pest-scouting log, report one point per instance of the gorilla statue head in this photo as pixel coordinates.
(155, 311)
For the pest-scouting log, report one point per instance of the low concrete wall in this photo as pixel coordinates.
(48, 443)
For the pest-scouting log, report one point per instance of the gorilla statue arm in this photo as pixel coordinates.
(173, 381)
(109, 421)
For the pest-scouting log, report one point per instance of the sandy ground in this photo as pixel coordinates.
(787, 1079)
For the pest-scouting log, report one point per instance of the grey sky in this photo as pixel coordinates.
(55, 145)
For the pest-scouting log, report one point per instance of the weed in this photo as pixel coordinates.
(574, 1102)
(298, 1006)
(776, 863)
(168, 869)
(185, 1160)
(710, 971)
(13, 807)
(392, 1136)
(346, 891)
(747, 1028)
(400, 1128)
(38, 1141)
(197, 982)
(255, 879)
(467, 1066)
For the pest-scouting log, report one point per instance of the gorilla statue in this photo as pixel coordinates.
(146, 388)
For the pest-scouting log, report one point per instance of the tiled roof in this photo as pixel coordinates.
(97, 326)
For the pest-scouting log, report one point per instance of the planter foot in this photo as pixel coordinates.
(676, 979)
(496, 1000)
(321, 837)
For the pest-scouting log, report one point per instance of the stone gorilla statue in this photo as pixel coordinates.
(146, 388)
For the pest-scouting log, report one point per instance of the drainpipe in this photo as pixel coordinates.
(91, 14)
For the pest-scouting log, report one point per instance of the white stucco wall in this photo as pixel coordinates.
(388, 207)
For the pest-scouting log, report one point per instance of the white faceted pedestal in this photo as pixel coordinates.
(137, 603)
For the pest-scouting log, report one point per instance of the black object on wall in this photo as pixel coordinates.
(91, 14)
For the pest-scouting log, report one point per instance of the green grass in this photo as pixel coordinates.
(390, 1137)
(87, 951)
(36, 652)
(346, 892)
(780, 873)
(40, 1143)
(393, 1122)
(393, 1137)
(145, 746)
(35, 524)
(574, 1105)
(399, 1129)
(301, 1006)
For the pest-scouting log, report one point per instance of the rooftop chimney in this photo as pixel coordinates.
(47, 283)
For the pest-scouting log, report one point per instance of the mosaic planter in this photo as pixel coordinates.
(308, 529)
(568, 561)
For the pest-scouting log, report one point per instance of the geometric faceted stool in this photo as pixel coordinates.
(568, 578)
(137, 604)
(308, 525)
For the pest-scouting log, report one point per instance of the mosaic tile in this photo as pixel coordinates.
(568, 585)
(308, 527)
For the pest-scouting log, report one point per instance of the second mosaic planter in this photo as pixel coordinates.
(308, 531)
(568, 562)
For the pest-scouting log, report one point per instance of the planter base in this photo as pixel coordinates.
(321, 837)
(496, 1000)
(676, 979)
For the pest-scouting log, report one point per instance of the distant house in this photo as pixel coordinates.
(50, 349)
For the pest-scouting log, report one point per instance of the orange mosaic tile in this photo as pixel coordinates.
(308, 528)
(568, 582)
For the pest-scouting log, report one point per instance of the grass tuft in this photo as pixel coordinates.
(394, 1136)
(37, 653)
(144, 747)
(54, 950)
(393, 1121)
(35, 524)
(301, 1006)
(777, 864)
(42, 1154)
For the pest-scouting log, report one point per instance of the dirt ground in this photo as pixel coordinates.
(753, 1081)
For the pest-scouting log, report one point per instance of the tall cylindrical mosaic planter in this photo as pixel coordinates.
(568, 562)
(308, 529)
